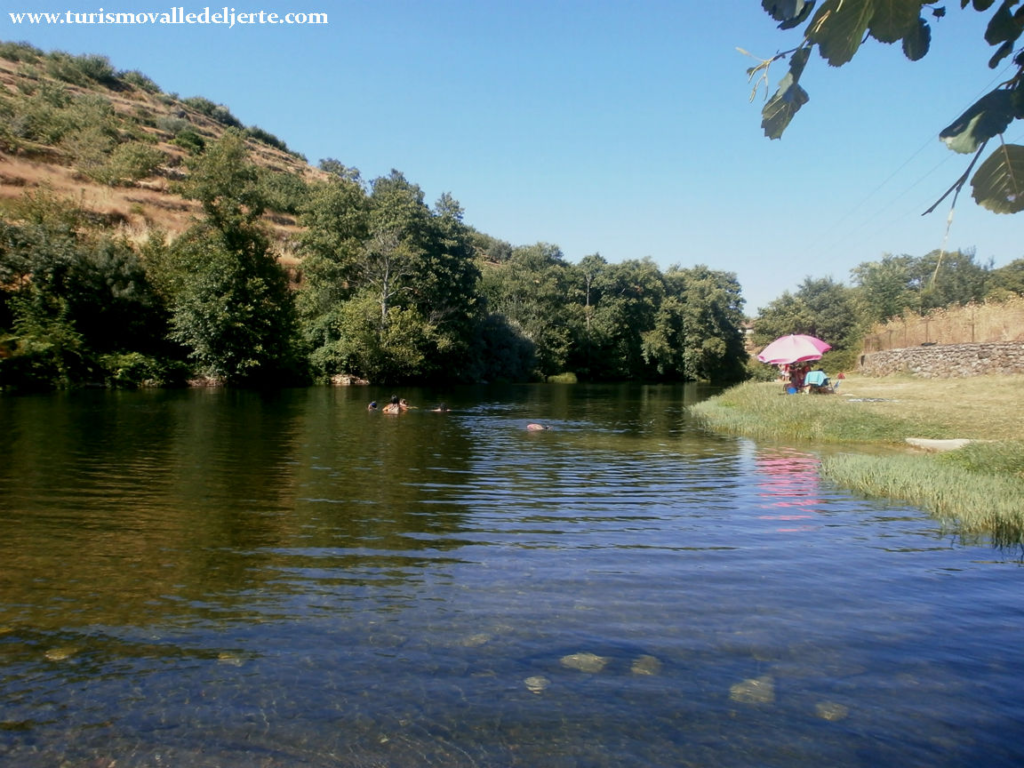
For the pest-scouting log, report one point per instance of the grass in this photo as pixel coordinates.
(978, 489)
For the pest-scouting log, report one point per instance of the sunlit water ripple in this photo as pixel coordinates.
(234, 579)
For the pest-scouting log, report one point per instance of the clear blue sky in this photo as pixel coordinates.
(603, 126)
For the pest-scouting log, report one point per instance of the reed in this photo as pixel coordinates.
(976, 490)
(988, 321)
(969, 502)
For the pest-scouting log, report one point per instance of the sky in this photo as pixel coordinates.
(619, 127)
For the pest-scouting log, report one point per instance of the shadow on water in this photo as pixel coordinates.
(218, 578)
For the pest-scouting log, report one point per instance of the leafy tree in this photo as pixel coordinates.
(590, 339)
(838, 28)
(631, 293)
(887, 288)
(230, 302)
(820, 307)
(71, 294)
(884, 288)
(705, 307)
(529, 292)
(336, 220)
(945, 279)
(1007, 281)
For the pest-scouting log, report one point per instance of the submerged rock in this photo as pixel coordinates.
(831, 711)
(758, 690)
(645, 665)
(584, 662)
(536, 684)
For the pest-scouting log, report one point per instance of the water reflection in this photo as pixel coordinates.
(229, 579)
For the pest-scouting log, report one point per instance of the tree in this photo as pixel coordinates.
(229, 298)
(529, 292)
(838, 28)
(1007, 281)
(820, 307)
(336, 221)
(883, 288)
(711, 309)
(71, 295)
(887, 288)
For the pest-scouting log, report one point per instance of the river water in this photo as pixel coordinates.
(221, 578)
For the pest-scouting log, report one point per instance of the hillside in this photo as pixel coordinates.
(115, 143)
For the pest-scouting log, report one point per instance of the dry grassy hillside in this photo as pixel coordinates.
(28, 90)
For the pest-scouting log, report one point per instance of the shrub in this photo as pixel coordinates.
(138, 80)
(25, 52)
(132, 161)
(284, 192)
(130, 370)
(190, 141)
(216, 112)
(265, 137)
(80, 70)
(562, 378)
(172, 125)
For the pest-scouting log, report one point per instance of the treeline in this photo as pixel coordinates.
(892, 287)
(388, 289)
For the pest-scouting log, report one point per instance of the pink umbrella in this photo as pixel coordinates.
(794, 348)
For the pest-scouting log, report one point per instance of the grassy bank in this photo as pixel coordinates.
(978, 489)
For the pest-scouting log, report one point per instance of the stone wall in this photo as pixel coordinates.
(946, 361)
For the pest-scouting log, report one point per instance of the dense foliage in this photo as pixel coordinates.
(382, 287)
(389, 289)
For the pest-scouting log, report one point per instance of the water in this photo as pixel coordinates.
(213, 578)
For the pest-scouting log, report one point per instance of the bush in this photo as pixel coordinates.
(562, 378)
(172, 125)
(216, 112)
(130, 370)
(25, 52)
(138, 80)
(284, 192)
(81, 70)
(130, 162)
(270, 139)
(190, 141)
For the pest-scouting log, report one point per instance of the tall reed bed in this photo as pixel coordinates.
(978, 489)
(970, 502)
(972, 323)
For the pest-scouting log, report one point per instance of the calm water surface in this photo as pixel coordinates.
(214, 578)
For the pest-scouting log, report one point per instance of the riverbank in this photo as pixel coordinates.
(977, 489)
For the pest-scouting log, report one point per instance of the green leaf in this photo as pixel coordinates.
(894, 19)
(987, 117)
(839, 27)
(786, 10)
(979, 5)
(917, 42)
(999, 183)
(1002, 27)
(1001, 53)
(800, 18)
(788, 99)
(782, 107)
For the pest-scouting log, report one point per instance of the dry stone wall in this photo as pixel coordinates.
(946, 361)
